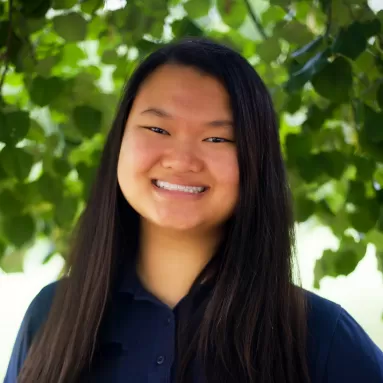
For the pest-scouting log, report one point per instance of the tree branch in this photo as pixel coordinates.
(8, 45)
(256, 21)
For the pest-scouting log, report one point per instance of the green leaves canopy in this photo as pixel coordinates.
(64, 62)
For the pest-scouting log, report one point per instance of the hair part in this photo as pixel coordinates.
(253, 325)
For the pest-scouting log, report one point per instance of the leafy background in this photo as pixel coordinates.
(63, 64)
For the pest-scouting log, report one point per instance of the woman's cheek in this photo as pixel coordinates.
(144, 152)
(224, 165)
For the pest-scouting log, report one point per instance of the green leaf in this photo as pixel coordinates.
(282, 3)
(341, 262)
(356, 193)
(379, 96)
(298, 145)
(51, 188)
(16, 162)
(333, 163)
(66, 211)
(109, 57)
(315, 118)
(86, 174)
(19, 230)
(13, 262)
(35, 9)
(91, 6)
(304, 208)
(351, 41)
(71, 27)
(310, 168)
(72, 54)
(87, 120)
(64, 4)
(293, 32)
(269, 50)
(272, 15)
(44, 66)
(334, 81)
(44, 90)
(300, 76)
(373, 124)
(9, 204)
(197, 8)
(61, 166)
(233, 12)
(3, 246)
(15, 126)
(185, 27)
(361, 220)
(365, 167)
(311, 46)
(293, 103)
(36, 132)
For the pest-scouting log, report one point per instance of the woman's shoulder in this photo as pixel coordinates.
(34, 317)
(39, 307)
(339, 349)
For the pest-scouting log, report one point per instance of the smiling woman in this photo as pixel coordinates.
(181, 264)
(178, 136)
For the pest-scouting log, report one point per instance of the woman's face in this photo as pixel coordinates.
(178, 164)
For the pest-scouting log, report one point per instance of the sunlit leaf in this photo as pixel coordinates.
(269, 50)
(91, 6)
(197, 8)
(233, 12)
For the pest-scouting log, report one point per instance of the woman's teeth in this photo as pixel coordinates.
(182, 188)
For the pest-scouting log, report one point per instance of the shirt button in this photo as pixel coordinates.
(169, 320)
(160, 359)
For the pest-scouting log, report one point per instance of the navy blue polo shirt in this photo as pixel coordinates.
(138, 339)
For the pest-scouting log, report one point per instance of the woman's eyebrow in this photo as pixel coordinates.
(162, 113)
(157, 112)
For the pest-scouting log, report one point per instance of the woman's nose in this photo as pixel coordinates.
(182, 158)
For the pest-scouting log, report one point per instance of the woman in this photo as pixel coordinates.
(181, 264)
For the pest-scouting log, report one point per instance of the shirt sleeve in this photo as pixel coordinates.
(353, 356)
(19, 351)
(34, 316)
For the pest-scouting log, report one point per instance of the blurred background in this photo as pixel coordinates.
(63, 64)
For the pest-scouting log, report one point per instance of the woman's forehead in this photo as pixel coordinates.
(178, 89)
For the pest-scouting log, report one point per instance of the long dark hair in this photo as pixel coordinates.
(253, 327)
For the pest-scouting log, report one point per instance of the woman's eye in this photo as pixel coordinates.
(157, 130)
(217, 139)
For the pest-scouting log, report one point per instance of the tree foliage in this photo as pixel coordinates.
(64, 62)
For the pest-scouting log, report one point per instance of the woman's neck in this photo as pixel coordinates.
(169, 262)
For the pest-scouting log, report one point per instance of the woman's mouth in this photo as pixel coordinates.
(180, 188)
